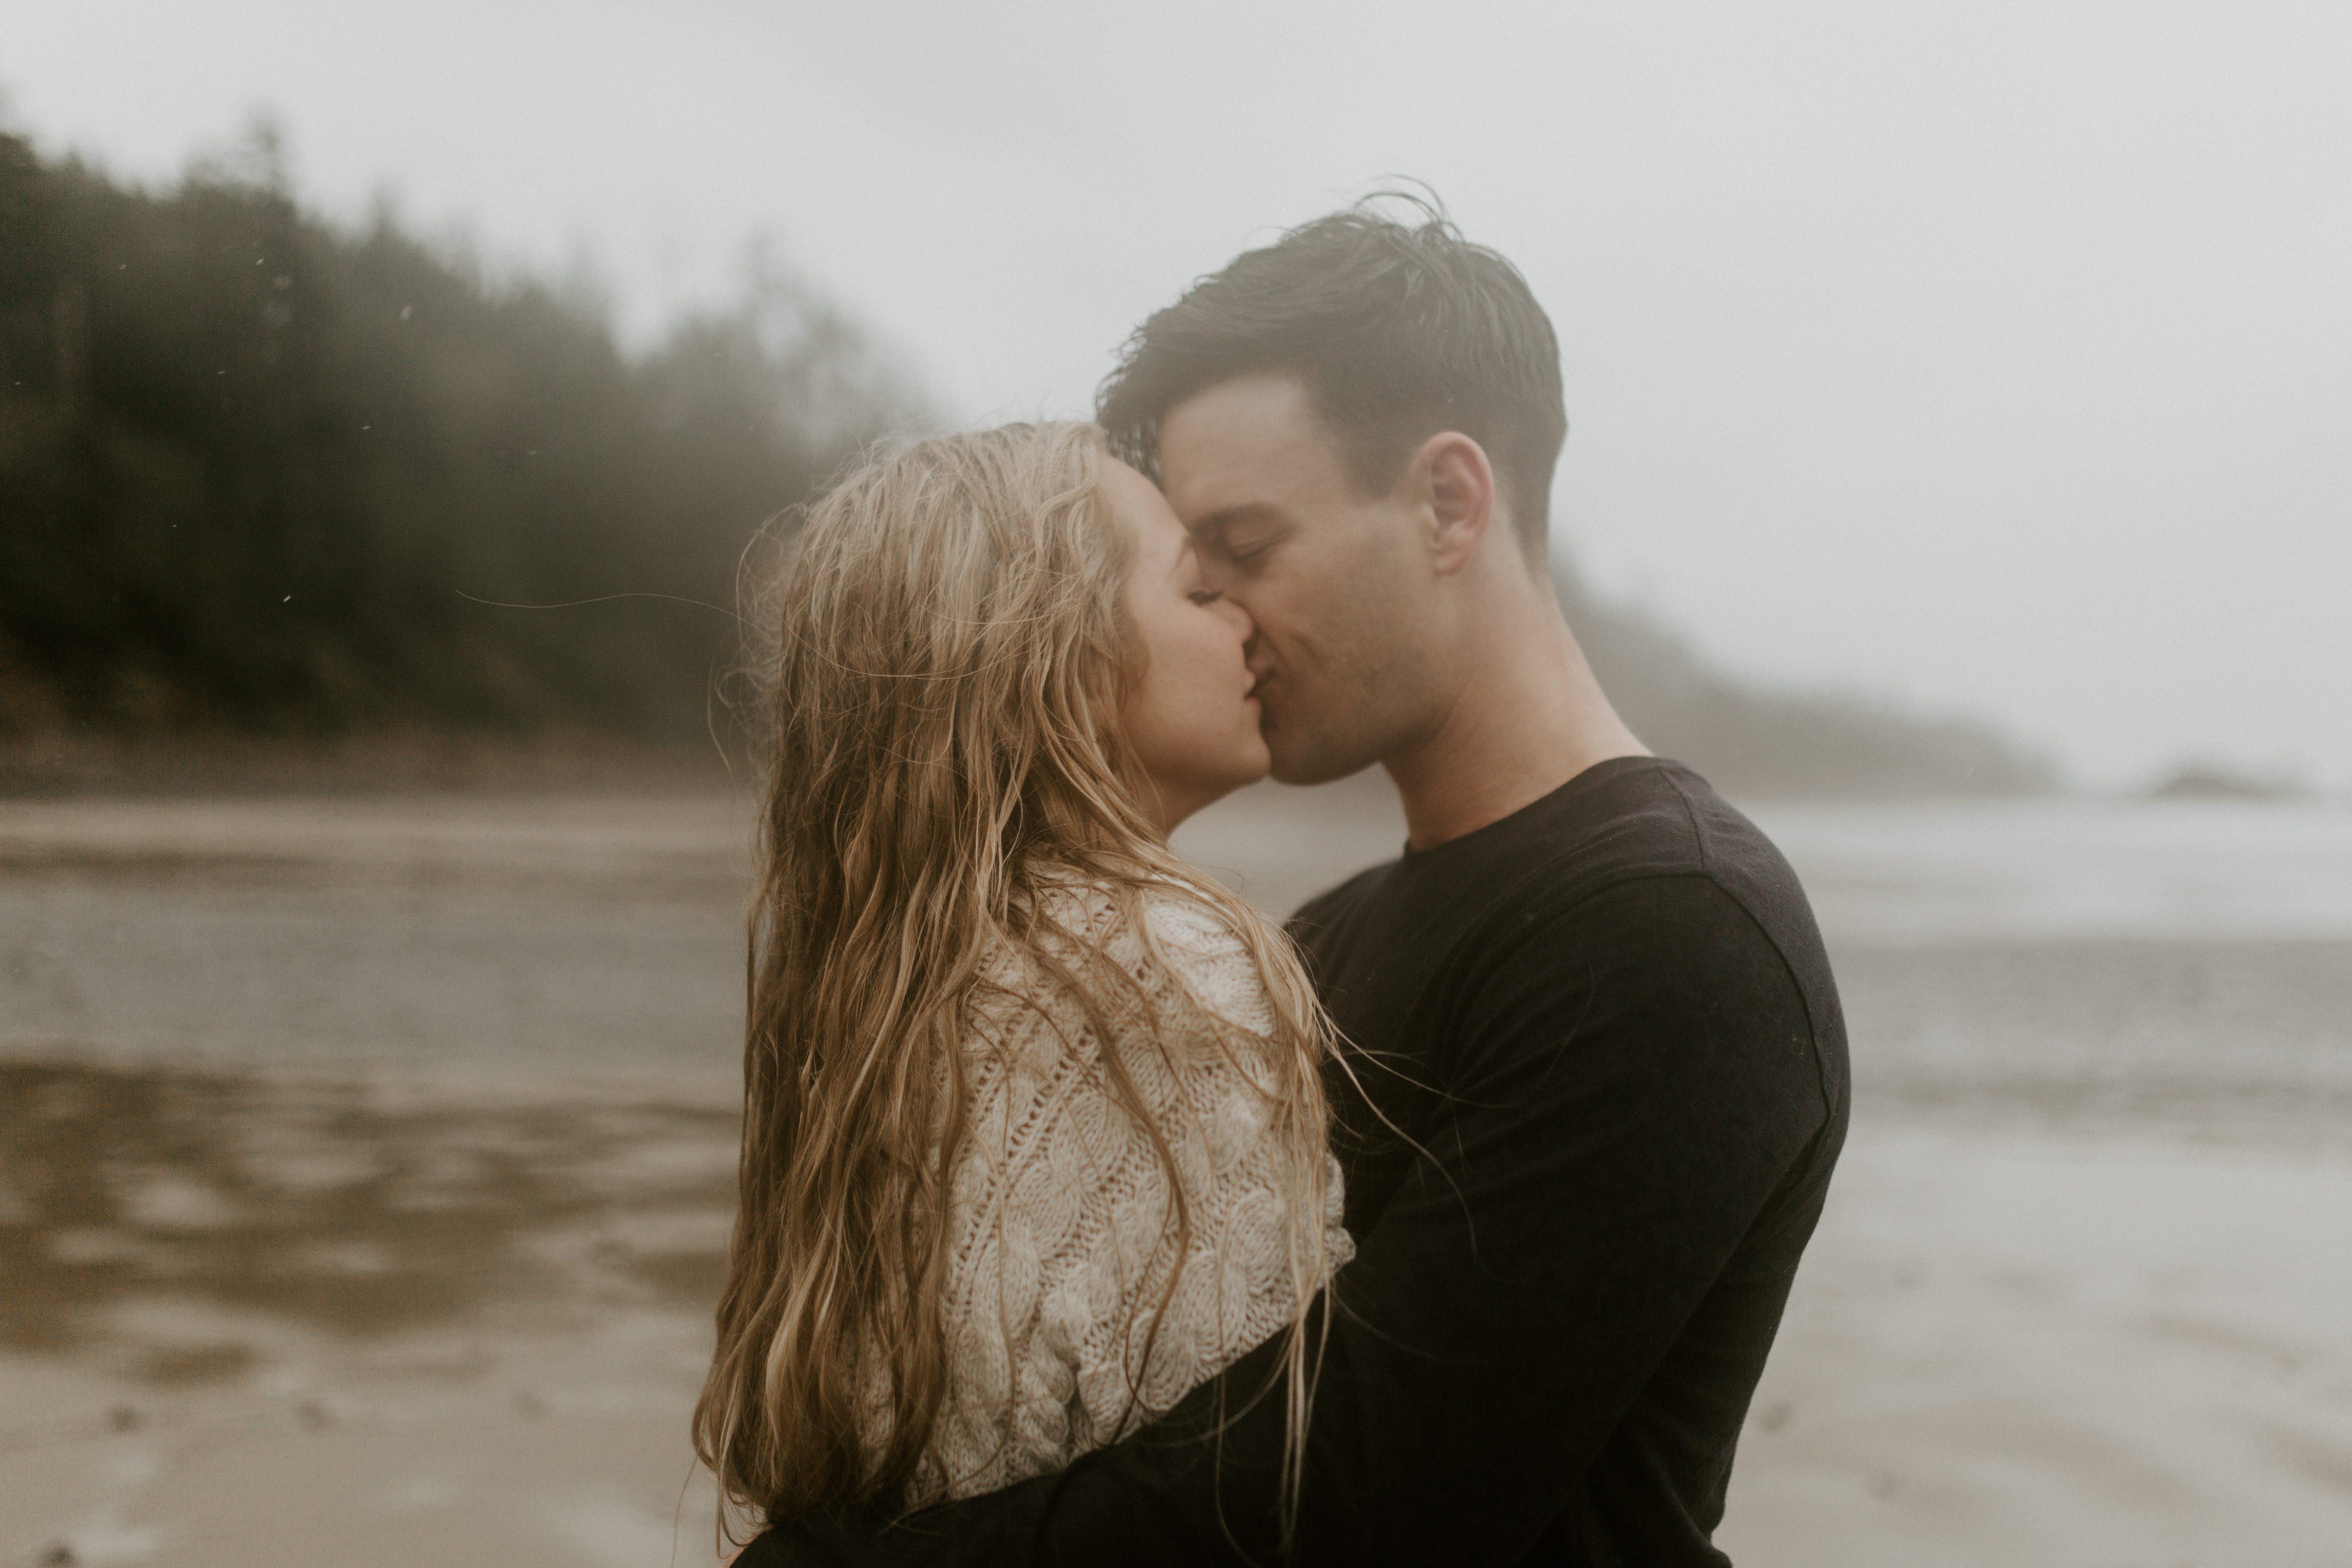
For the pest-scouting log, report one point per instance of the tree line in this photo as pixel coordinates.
(1750, 741)
(259, 473)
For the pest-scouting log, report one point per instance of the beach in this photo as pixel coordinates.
(368, 1164)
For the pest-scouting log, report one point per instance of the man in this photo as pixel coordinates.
(1602, 1080)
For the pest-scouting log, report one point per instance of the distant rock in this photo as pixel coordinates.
(2207, 781)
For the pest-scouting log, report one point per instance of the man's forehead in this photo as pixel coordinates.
(1247, 413)
(1243, 443)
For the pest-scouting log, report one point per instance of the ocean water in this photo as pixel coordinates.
(373, 1160)
(2184, 966)
(2069, 869)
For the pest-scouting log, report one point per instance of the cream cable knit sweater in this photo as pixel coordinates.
(1061, 1229)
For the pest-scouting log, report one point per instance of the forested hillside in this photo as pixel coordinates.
(1753, 742)
(257, 474)
(251, 465)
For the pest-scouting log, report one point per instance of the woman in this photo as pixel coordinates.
(1034, 1137)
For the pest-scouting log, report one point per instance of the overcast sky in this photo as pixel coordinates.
(1995, 358)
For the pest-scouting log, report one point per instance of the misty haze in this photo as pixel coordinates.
(381, 531)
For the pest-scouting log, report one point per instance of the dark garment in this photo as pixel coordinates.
(1604, 1031)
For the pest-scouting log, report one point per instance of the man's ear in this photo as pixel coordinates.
(1457, 486)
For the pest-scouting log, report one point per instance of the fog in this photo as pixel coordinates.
(1952, 390)
(1990, 358)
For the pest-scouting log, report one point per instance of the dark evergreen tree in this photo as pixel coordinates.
(250, 463)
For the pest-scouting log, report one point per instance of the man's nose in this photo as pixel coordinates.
(1256, 655)
(1238, 616)
(1216, 573)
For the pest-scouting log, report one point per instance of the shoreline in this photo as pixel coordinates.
(2006, 1344)
(67, 766)
(368, 1169)
(2027, 1350)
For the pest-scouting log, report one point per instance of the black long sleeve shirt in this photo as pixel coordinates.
(1603, 1086)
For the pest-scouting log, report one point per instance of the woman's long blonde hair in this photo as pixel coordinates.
(951, 660)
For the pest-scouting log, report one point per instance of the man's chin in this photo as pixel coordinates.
(1295, 765)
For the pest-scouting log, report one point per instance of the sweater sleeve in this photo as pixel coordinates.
(1073, 1316)
(1632, 1143)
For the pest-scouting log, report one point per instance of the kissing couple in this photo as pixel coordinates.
(1086, 1217)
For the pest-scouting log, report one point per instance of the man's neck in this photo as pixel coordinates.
(1527, 717)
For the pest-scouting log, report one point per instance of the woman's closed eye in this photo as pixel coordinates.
(1205, 597)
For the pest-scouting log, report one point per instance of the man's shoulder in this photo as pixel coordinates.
(1626, 821)
(1570, 869)
(1651, 819)
(1642, 817)
(1681, 880)
(1629, 819)
(1672, 900)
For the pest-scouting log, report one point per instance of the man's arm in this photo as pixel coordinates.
(1630, 1086)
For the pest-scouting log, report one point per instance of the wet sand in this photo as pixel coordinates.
(365, 1170)
(2042, 1349)
(309, 1319)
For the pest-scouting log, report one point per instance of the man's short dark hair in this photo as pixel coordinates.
(1397, 330)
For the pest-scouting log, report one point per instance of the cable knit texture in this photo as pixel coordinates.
(1062, 1225)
